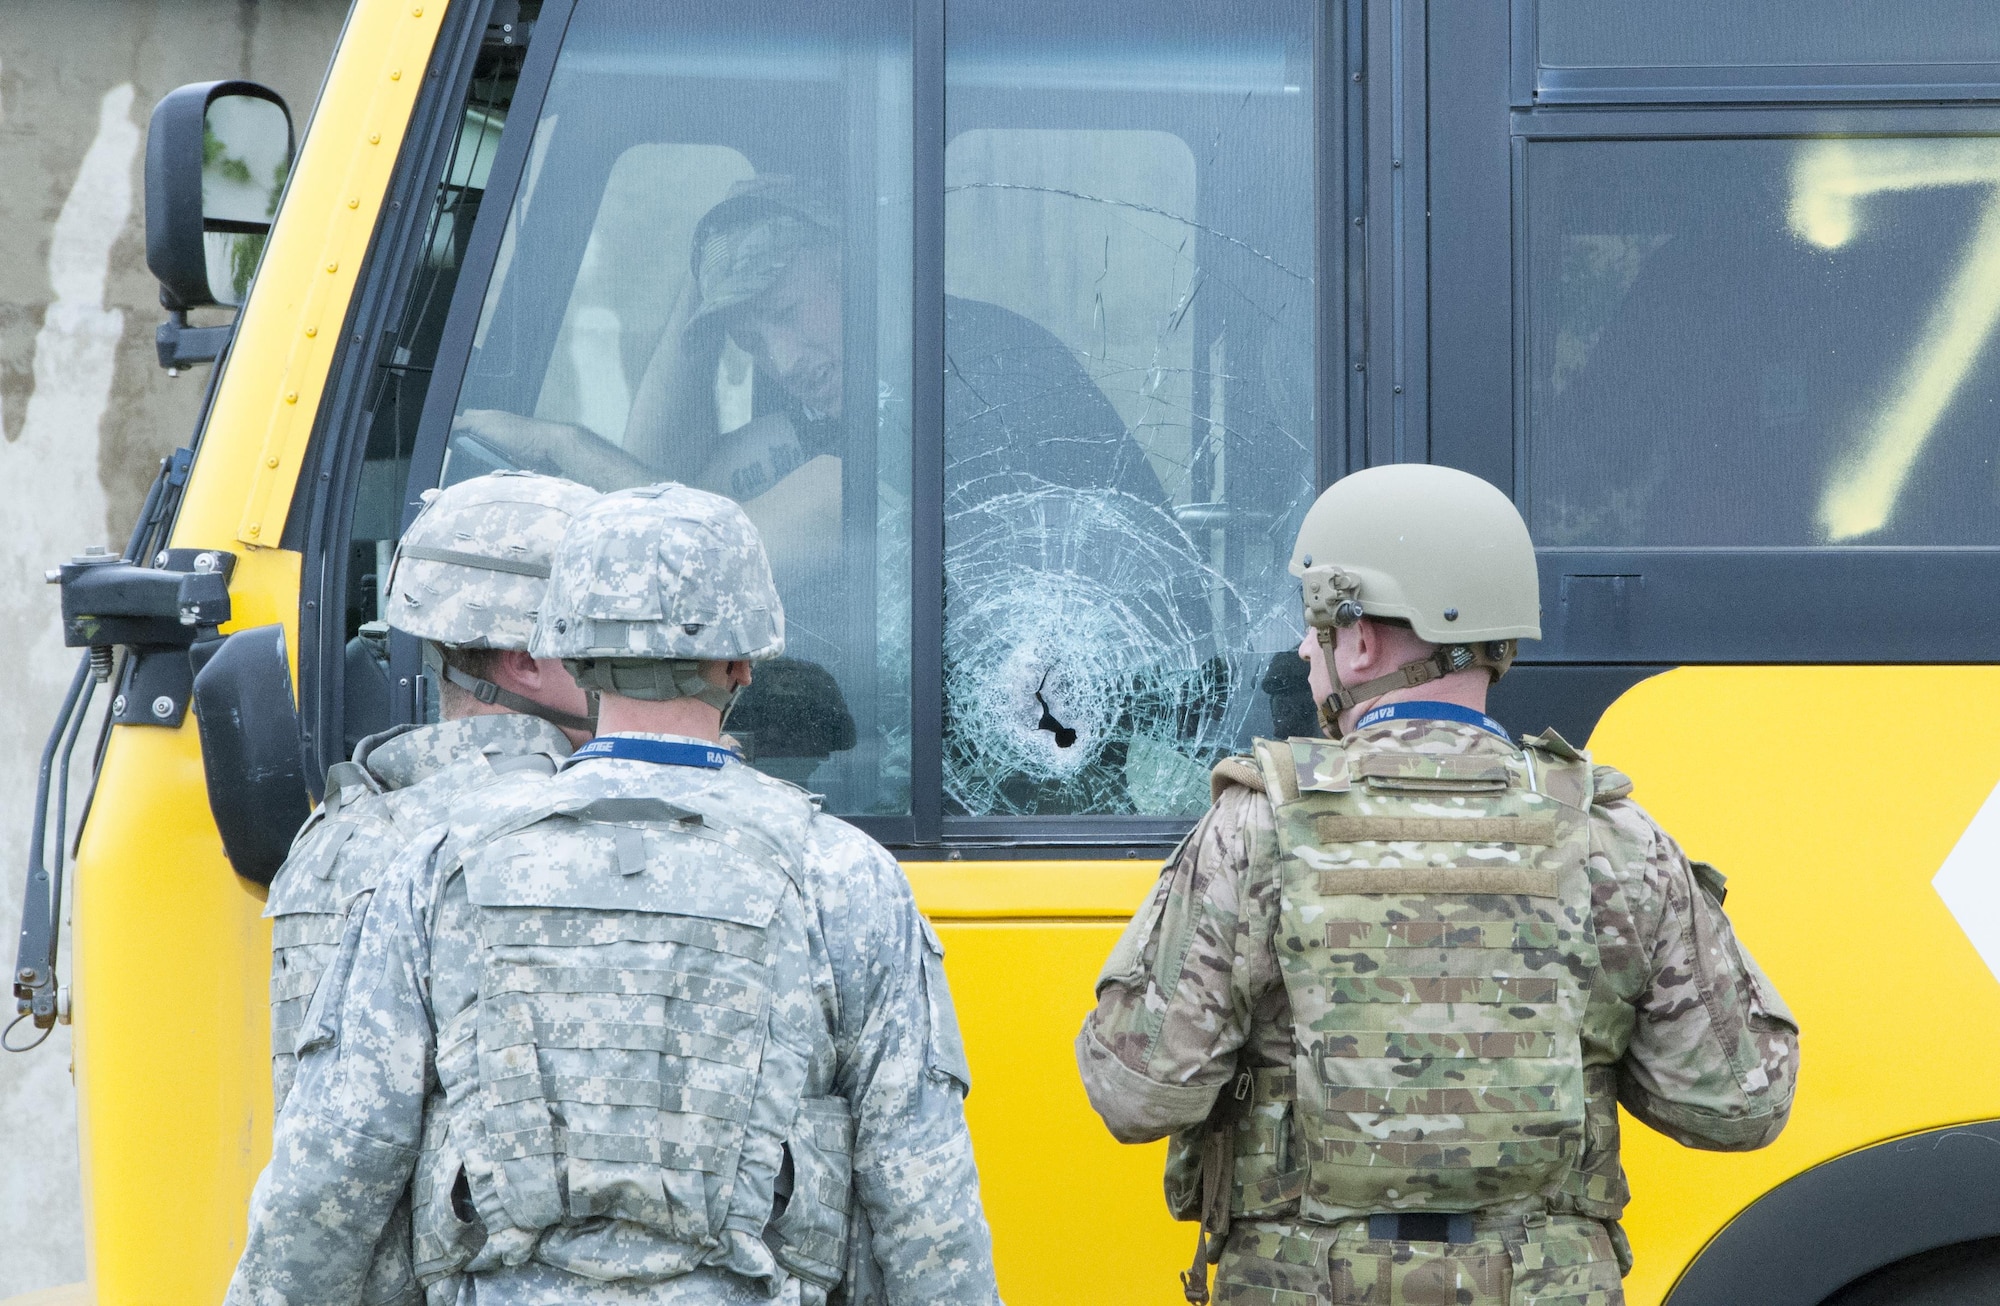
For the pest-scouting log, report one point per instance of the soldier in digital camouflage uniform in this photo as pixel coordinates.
(467, 579)
(654, 1031)
(1388, 995)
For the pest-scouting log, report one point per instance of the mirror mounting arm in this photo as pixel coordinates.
(182, 346)
(160, 614)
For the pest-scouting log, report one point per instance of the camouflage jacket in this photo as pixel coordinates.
(400, 782)
(1701, 1047)
(350, 1135)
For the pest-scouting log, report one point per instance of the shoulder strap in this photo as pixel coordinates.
(347, 780)
(527, 763)
(1554, 744)
(1234, 771)
(1281, 776)
(1608, 784)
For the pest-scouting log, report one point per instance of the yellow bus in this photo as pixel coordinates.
(1064, 314)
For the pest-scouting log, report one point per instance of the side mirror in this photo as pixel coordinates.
(217, 156)
(250, 748)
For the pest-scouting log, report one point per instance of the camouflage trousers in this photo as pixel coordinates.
(1556, 1260)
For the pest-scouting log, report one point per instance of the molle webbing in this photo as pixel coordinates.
(1434, 924)
(629, 1053)
(1341, 827)
(617, 1105)
(1528, 881)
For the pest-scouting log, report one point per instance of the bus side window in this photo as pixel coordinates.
(1128, 397)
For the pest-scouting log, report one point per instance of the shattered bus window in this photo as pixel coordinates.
(1128, 396)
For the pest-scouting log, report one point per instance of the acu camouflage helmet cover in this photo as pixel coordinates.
(661, 573)
(472, 568)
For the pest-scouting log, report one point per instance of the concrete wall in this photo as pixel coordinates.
(86, 415)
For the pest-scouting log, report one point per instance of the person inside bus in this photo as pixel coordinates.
(1020, 411)
(1021, 416)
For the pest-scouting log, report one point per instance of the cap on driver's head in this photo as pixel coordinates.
(745, 243)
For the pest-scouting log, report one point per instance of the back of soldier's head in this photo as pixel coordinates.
(469, 577)
(649, 584)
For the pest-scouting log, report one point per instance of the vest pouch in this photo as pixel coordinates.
(809, 1237)
(1184, 1173)
(1268, 1177)
(520, 1147)
(1566, 1261)
(1596, 1187)
(1364, 1271)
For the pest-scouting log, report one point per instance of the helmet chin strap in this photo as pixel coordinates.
(493, 696)
(1447, 659)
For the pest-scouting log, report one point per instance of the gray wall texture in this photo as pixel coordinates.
(86, 415)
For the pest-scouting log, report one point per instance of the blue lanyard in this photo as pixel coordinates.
(660, 752)
(1425, 711)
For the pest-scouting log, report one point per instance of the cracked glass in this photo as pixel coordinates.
(705, 277)
(1129, 353)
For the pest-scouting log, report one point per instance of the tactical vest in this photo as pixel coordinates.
(343, 849)
(1437, 947)
(633, 1087)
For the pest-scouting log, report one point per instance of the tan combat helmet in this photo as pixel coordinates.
(1435, 547)
(650, 583)
(471, 572)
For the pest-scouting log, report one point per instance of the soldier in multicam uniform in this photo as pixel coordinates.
(1389, 994)
(467, 579)
(654, 1031)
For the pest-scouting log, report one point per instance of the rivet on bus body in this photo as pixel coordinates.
(311, 331)
(255, 529)
(291, 396)
(417, 13)
(354, 203)
(333, 267)
(270, 462)
(374, 138)
(395, 74)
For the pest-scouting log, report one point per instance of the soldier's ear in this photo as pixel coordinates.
(513, 669)
(1368, 642)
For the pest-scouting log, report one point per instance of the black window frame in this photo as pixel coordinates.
(1535, 84)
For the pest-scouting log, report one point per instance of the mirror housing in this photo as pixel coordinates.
(251, 748)
(217, 156)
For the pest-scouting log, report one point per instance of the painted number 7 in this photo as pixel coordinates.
(1830, 179)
